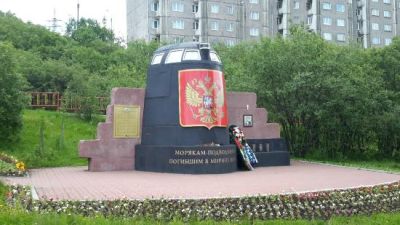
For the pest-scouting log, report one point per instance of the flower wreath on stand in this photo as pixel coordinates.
(246, 154)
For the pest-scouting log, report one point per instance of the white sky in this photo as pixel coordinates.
(42, 11)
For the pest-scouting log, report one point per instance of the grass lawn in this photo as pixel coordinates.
(58, 149)
(384, 165)
(19, 217)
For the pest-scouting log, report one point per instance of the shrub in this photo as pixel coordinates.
(12, 99)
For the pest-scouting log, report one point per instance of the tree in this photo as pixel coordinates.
(87, 31)
(328, 99)
(12, 98)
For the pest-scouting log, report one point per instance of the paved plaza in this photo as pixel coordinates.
(76, 183)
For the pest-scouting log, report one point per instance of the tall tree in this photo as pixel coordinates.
(12, 98)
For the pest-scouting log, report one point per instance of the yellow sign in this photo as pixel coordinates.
(126, 121)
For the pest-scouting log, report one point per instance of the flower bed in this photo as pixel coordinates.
(313, 205)
(10, 166)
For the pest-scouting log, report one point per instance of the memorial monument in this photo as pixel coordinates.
(179, 123)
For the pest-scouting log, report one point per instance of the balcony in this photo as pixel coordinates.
(309, 4)
(279, 4)
(279, 20)
(158, 13)
(157, 31)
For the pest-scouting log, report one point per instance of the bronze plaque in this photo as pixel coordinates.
(126, 121)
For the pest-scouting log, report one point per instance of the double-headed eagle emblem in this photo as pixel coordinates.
(204, 100)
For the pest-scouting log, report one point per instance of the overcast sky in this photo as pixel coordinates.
(42, 11)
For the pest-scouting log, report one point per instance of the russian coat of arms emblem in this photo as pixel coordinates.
(202, 98)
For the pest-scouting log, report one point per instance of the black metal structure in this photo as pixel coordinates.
(166, 146)
(162, 135)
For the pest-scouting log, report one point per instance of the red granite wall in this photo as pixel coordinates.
(245, 103)
(107, 153)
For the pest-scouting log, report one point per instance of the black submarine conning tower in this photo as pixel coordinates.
(162, 135)
(161, 109)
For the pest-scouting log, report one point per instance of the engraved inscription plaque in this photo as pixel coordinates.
(126, 121)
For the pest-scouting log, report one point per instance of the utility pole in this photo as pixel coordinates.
(54, 22)
(77, 15)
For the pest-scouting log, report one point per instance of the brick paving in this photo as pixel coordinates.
(76, 183)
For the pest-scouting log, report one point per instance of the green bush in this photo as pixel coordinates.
(12, 99)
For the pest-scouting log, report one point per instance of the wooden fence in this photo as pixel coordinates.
(55, 101)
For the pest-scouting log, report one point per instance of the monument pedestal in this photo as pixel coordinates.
(186, 159)
(109, 153)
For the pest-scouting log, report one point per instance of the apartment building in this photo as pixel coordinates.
(368, 22)
(372, 23)
(227, 21)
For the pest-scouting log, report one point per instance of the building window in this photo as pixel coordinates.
(340, 22)
(215, 8)
(375, 26)
(387, 28)
(229, 27)
(326, 5)
(178, 7)
(178, 24)
(309, 19)
(156, 24)
(177, 40)
(230, 42)
(387, 14)
(376, 41)
(196, 25)
(230, 10)
(254, 16)
(327, 21)
(387, 1)
(388, 41)
(154, 6)
(195, 8)
(341, 37)
(340, 7)
(214, 25)
(296, 5)
(327, 36)
(254, 32)
(253, 1)
(375, 12)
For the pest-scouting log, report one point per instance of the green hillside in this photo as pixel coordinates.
(58, 148)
